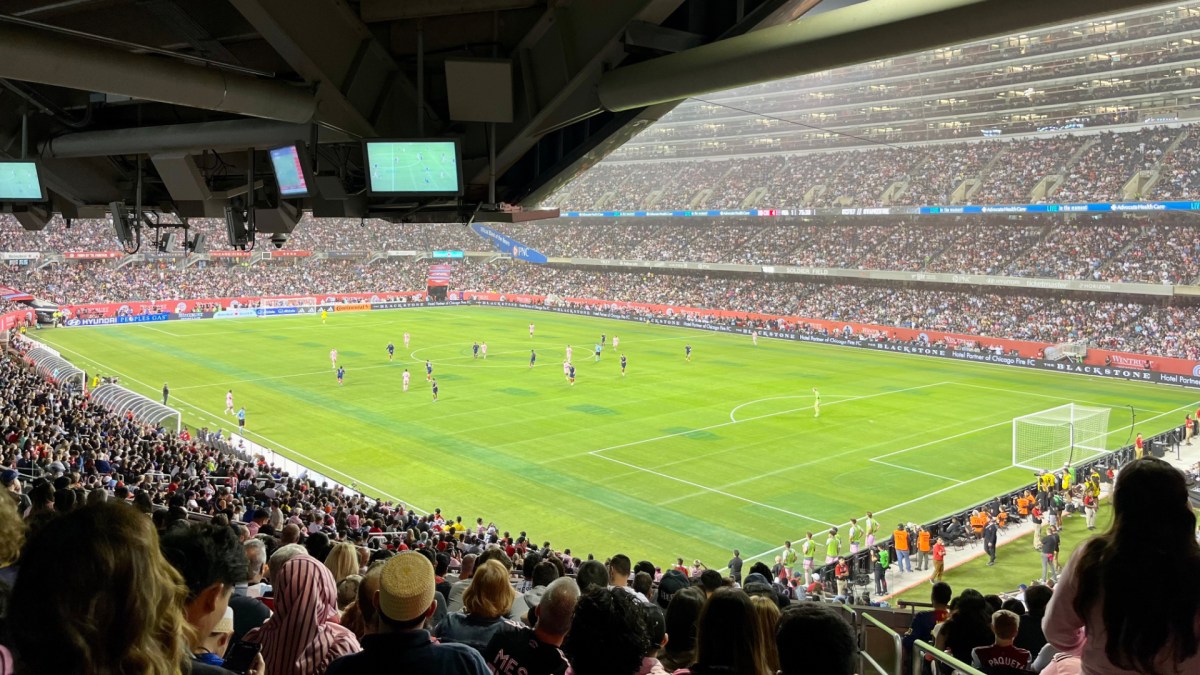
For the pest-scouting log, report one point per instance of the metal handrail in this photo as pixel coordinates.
(920, 648)
(895, 640)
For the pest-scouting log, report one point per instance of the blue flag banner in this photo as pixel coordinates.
(508, 245)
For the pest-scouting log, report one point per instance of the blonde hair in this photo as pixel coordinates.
(12, 531)
(120, 612)
(342, 561)
(490, 594)
(766, 613)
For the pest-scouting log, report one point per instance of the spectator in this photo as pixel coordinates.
(683, 615)
(1001, 656)
(924, 622)
(656, 630)
(815, 638)
(1108, 624)
(466, 569)
(969, 626)
(212, 562)
(729, 637)
(361, 617)
(403, 603)
(342, 561)
(607, 635)
(122, 612)
(248, 610)
(303, 636)
(1029, 634)
(486, 602)
(591, 573)
(536, 651)
(767, 612)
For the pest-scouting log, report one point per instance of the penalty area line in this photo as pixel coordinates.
(954, 487)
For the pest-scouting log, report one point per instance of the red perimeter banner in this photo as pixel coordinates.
(93, 255)
(290, 254)
(1096, 357)
(230, 254)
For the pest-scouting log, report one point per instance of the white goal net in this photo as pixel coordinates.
(1071, 433)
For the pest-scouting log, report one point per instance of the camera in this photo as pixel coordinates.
(279, 239)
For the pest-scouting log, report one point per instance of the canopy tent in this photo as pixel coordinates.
(49, 364)
(119, 400)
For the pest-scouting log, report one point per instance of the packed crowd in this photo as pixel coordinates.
(908, 117)
(1134, 325)
(125, 548)
(929, 174)
(927, 66)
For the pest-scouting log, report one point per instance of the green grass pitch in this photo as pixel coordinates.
(675, 459)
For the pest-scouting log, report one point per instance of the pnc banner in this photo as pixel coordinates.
(508, 245)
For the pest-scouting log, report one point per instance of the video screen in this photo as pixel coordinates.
(289, 171)
(19, 182)
(413, 167)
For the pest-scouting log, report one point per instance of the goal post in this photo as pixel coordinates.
(1049, 439)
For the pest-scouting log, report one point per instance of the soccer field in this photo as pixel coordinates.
(675, 459)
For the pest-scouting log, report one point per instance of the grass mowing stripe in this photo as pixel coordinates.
(514, 445)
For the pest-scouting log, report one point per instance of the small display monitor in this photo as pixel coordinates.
(291, 170)
(20, 182)
(425, 168)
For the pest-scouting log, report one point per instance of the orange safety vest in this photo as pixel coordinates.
(900, 538)
(923, 541)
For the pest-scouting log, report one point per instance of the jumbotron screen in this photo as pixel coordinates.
(19, 182)
(427, 168)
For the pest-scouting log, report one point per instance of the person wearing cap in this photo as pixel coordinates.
(211, 649)
(403, 603)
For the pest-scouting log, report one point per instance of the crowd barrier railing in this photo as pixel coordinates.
(941, 658)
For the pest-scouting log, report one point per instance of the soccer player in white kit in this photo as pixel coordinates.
(229, 402)
(616, 342)
(406, 340)
(567, 370)
(483, 349)
(568, 354)
(404, 379)
(754, 337)
(530, 330)
(333, 358)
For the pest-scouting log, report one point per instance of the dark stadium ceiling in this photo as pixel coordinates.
(184, 88)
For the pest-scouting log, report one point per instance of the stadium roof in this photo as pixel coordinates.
(176, 91)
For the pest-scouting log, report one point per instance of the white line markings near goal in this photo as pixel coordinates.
(909, 468)
(600, 453)
(733, 412)
(989, 474)
(942, 440)
(1057, 398)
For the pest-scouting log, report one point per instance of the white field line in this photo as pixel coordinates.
(715, 491)
(205, 414)
(164, 332)
(1057, 398)
(733, 413)
(600, 453)
(942, 440)
(955, 487)
(826, 458)
(748, 419)
(909, 468)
